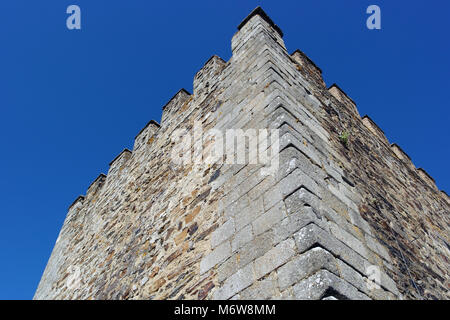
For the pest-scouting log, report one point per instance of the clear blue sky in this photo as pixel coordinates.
(72, 100)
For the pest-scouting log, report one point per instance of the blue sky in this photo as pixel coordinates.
(72, 100)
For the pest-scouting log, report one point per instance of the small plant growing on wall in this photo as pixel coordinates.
(344, 138)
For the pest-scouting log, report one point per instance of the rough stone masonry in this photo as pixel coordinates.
(333, 211)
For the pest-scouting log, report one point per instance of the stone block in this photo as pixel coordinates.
(227, 268)
(272, 196)
(255, 248)
(305, 265)
(316, 287)
(216, 256)
(242, 237)
(240, 280)
(260, 290)
(296, 201)
(349, 240)
(298, 179)
(224, 232)
(268, 219)
(274, 258)
(248, 214)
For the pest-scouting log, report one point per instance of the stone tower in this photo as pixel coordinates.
(345, 215)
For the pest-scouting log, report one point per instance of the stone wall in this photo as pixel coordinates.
(313, 229)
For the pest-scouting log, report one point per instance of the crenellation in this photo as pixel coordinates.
(255, 28)
(402, 155)
(77, 202)
(342, 97)
(146, 135)
(260, 12)
(96, 185)
(122, 157)
(308, 68)
(373, 127)
(172, 106)
(426, 177)
(207, 76)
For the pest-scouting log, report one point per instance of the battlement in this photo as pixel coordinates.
(96, 184)
(374, 128)
(254, 28)
(402, 155)
(77, 202)
(426, 177)
(151, 123)
(203, 80)
(123, 155)
(146, 134)
(172, 107)
(308, 67)
(260, 12)
(341, 96)
(398, 151)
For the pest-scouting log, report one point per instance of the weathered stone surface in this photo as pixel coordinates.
(305, 265)
(298, 179)
(248, 214)
(274, 258)
(219, 254)
(242, 237)
(255, 248)
(316, 287)
(238, 281)
(312, 235)
(268, 219)
(156, 229)
(349, 240)
(263, 289)
(222, 233)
